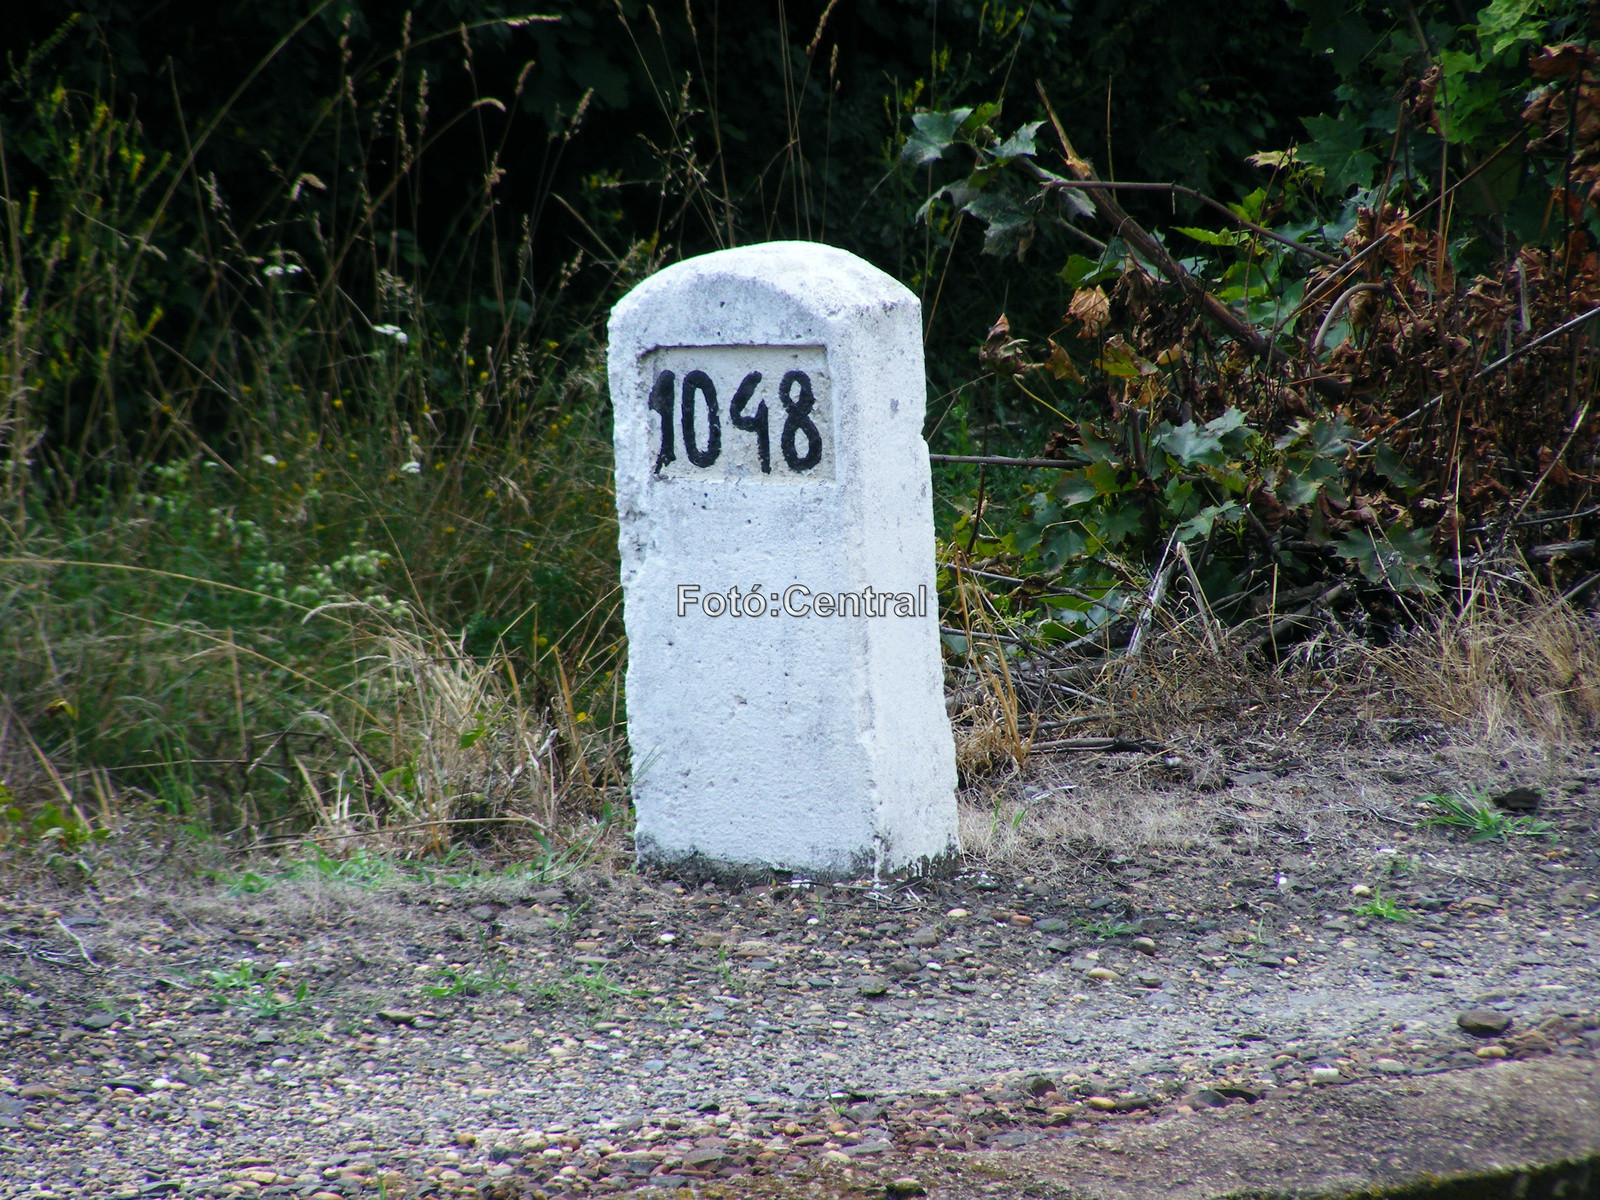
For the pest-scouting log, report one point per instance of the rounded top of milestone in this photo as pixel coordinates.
(823, 279)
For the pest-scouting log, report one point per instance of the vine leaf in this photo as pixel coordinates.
(935, 132)
(1019, 145)
(1216, 237)
(1340, 149)
(1398, 559)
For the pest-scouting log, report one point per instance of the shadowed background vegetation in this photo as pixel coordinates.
(306, 511)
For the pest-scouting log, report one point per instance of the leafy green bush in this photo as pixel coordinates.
(1308, 390)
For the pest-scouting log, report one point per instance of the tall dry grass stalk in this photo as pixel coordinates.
(1510, 660)
(987, 720)
(479, 752)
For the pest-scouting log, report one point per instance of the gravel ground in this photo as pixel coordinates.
(339, 1029)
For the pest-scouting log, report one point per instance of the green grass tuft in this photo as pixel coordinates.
(1383, 907)
(1476, 815)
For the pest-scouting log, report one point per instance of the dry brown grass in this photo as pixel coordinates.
(425, 746)
(475, 752)
(1041, 828)
(462, 746)
(1505, 660)
(1333, 743)
(988, 723)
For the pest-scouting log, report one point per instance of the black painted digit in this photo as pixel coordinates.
(756, 424)
(661, 402)
(797, 420)
(698, 382)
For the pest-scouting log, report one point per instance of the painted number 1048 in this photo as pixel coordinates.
(692, 409)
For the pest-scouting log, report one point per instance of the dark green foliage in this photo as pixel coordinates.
(696, 127)
(1177, 427)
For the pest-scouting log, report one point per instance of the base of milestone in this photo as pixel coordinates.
(693, 867)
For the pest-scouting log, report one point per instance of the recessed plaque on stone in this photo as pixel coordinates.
(763, 412)
(784, 690)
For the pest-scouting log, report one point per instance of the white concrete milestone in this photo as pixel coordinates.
(785, 694)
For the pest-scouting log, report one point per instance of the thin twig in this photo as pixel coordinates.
(1153, 599)
(990, 460)
(1316, 706)
(999, 637)
(1053, 589)
(1573, 593)
(1088, 185)
(1207, 617)
(1337, 307)
(82, 949)
(1070, 722)
(1101, 743)
(1541, 519)
(1536, 343)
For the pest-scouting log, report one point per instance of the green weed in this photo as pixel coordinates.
(598, 987)
(241, 975)
(361, 869)
(449, 982)
(1399, 864)
(241, 883)
(1382, 906)
(1104, 928)
(545, 993)
(1476, 815)
(459, 981)
(239, 986)
(61, 839)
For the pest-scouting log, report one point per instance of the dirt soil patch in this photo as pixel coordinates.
(1153, 952)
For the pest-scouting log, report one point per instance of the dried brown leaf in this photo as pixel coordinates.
(1093, 308)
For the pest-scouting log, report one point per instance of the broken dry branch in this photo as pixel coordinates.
(1157, 254)
(1153, 599)
(1114, 744)
(1299, 616)
(990, 460)
(1561, 550)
